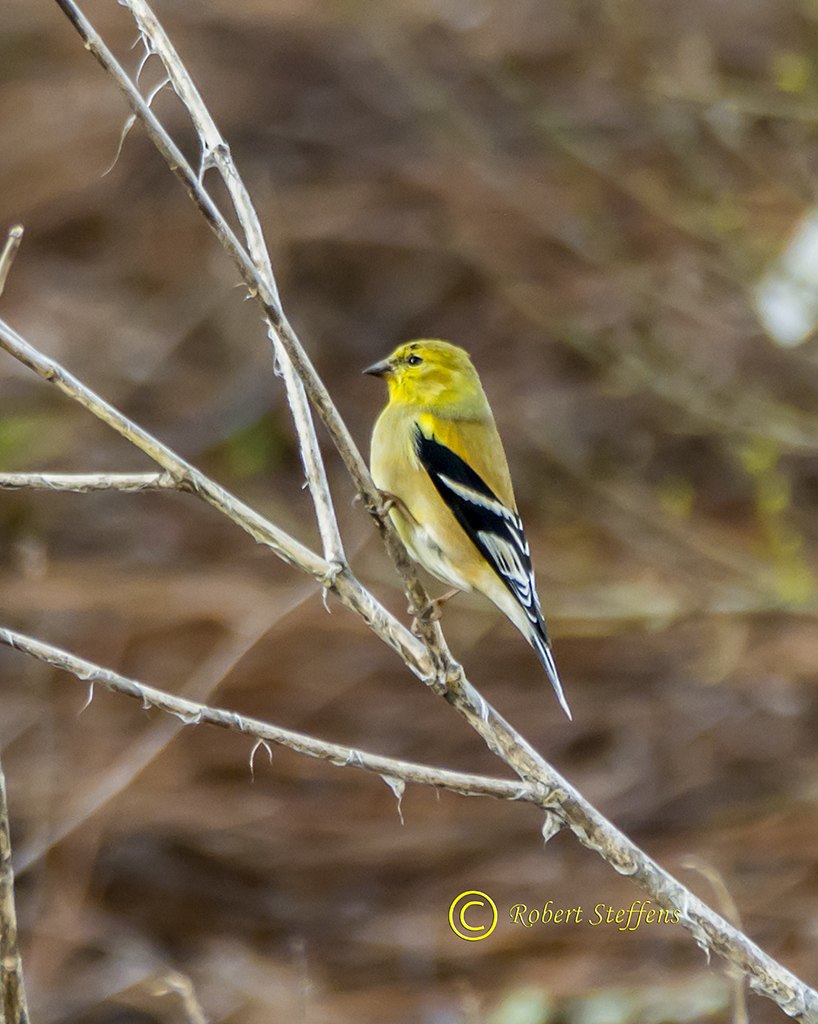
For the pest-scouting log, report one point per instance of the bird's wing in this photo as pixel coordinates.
(495, 530)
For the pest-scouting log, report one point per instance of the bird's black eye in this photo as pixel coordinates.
(413, 360)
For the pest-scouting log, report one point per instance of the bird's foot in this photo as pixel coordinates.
(391, 501)
(431, 612)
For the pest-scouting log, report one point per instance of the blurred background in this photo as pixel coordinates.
(594, 199)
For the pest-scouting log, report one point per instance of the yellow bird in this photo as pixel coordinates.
(439, 461)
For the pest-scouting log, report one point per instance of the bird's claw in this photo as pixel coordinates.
(385, 507)
(391, 501)
(431, 611)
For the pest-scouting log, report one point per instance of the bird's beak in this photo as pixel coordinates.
(381, 369)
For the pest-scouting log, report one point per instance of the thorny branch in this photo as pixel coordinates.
(13, 1007)
(216, 154)
(193, 712)
(81, 483)
(563, 804)
(338, 580)
(445, 668)
(556, 797)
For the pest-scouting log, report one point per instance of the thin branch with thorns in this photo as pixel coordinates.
(193, 712)
(84, 483)
(591, 828)
(13, 1006)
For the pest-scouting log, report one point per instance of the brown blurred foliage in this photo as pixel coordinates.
(582, 194)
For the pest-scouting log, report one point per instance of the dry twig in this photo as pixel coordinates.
(83, 483)
(13, 1007)
(12, 244)
(173, 981)
(193, 712)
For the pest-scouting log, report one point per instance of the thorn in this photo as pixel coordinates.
(88, 700)
(259, 743)
(128, 125)
(157, 89)
(398, 787)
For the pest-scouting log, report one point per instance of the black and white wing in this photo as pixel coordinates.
(495, 530)
(497, 533)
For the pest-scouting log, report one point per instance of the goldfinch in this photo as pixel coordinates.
(439, 461)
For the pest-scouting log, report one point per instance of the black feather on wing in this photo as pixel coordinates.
(495, 530)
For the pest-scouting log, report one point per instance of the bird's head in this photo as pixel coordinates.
(432, 374)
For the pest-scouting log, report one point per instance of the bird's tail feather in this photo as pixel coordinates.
(542, 648)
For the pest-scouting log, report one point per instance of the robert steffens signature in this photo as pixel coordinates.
(640, 911)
